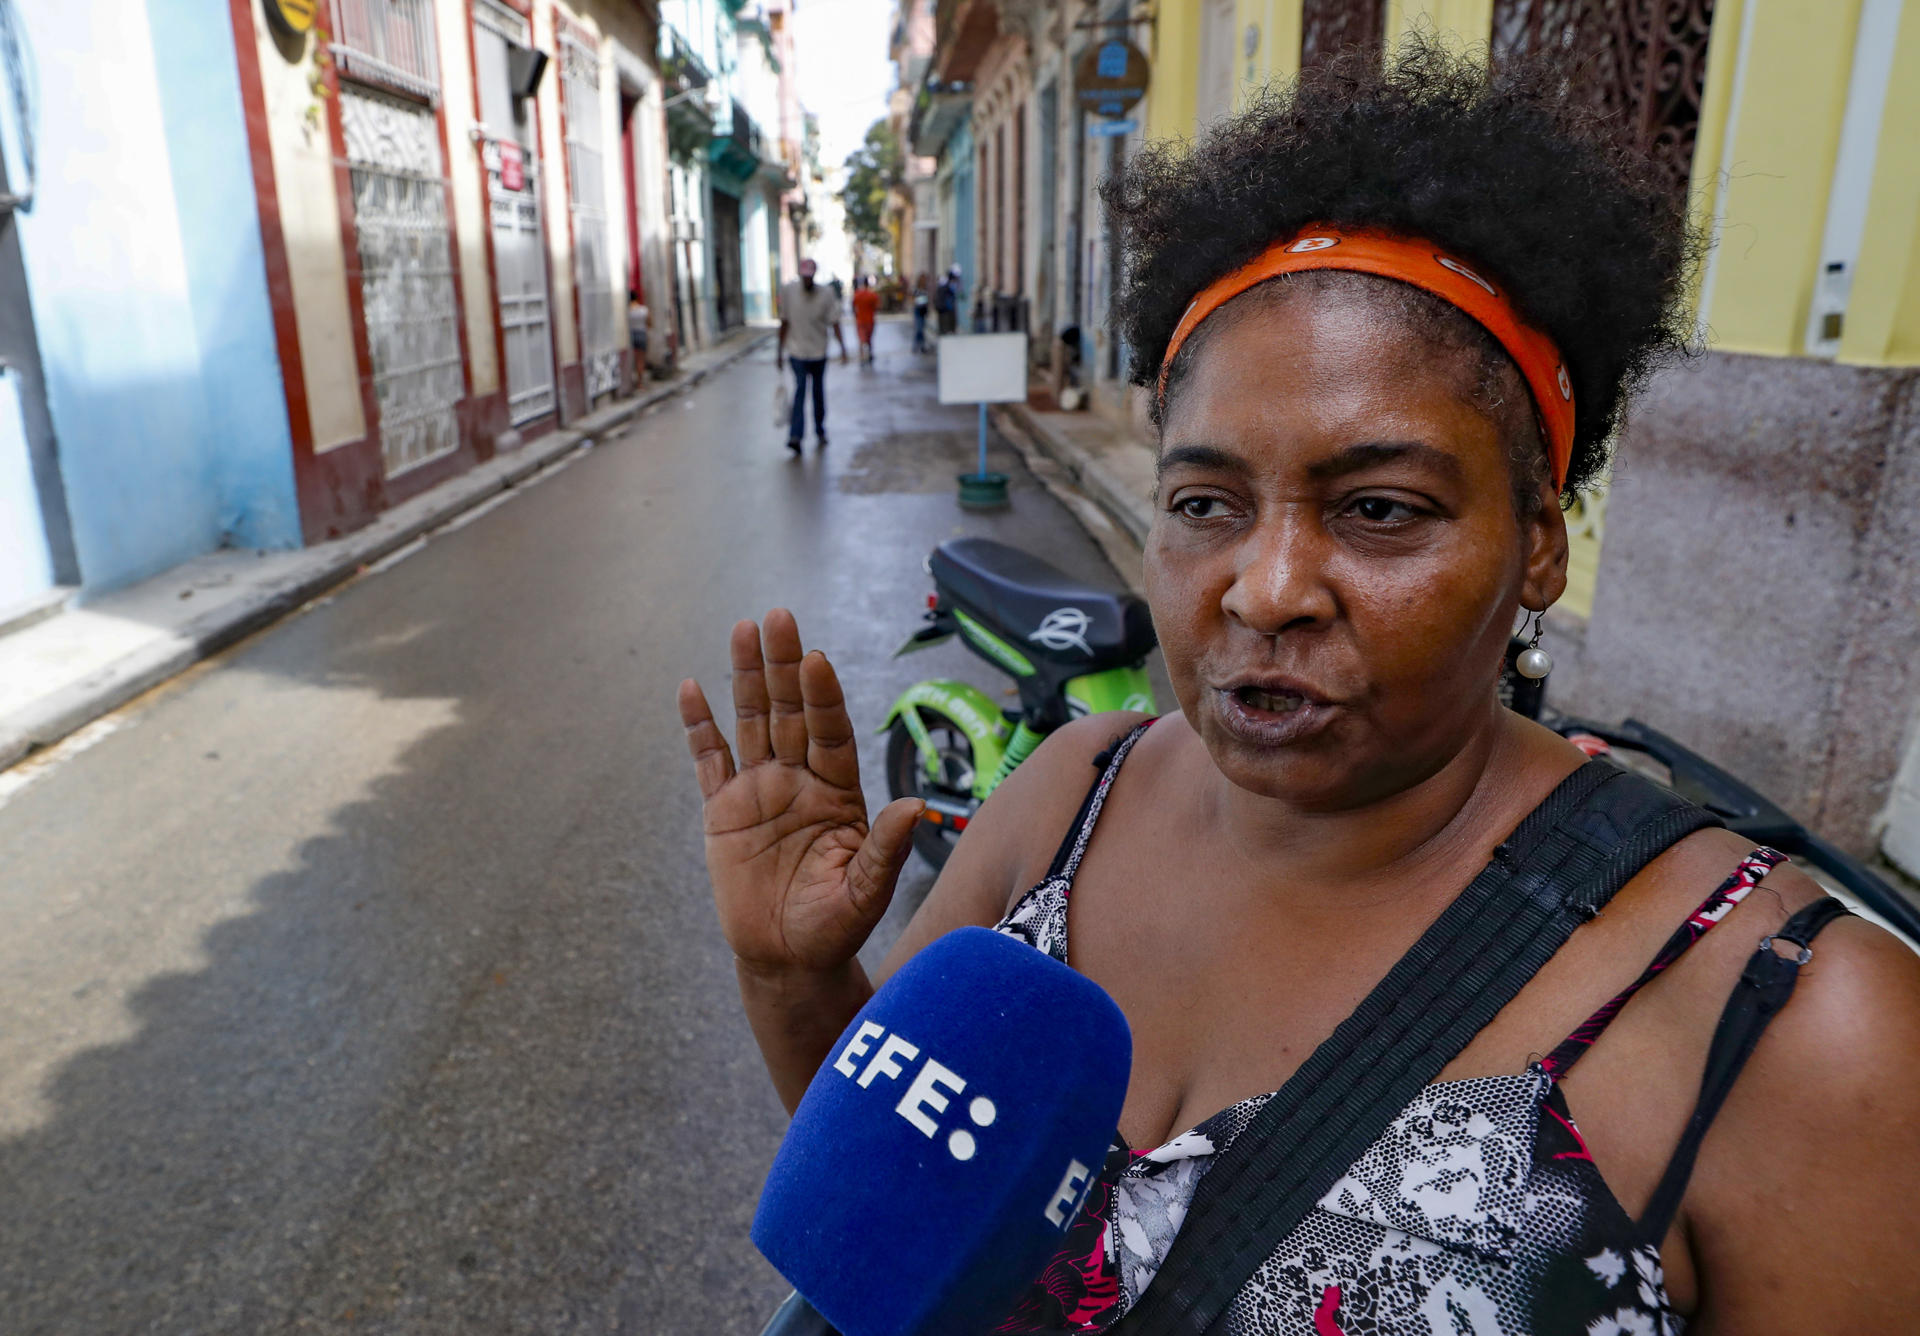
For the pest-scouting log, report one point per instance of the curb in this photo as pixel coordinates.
(1132, 513)
(69, 709)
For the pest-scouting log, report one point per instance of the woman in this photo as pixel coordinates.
(1362, 465)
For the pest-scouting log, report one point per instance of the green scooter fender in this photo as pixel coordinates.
(1115, 689)
(970, 710)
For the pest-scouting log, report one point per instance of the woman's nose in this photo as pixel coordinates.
(1280, 582)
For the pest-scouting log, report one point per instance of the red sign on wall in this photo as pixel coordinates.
(513, 167)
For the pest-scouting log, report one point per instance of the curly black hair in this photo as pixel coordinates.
(1588, 235)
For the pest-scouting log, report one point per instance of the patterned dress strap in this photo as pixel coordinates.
(1737, 887)
(1066, 862)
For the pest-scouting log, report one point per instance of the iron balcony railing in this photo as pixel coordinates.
(388, 42)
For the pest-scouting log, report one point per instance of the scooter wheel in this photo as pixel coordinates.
(907, 778)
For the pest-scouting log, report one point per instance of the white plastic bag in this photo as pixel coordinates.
(782, 404)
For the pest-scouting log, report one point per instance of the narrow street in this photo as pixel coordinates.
(365, 979)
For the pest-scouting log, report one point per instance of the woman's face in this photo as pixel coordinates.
(1335, 560)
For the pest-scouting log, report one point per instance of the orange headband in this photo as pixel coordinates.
(1410, 260)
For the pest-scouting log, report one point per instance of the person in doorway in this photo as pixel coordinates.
(866, 305)
(921, 302)
(1387, 322)
(809, 312)
(946, 301)
(637, 320)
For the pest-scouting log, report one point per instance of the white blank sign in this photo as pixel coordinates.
(983, 368)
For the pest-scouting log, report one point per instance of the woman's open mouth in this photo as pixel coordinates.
(1270, 714)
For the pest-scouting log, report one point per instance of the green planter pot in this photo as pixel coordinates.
(983, 491)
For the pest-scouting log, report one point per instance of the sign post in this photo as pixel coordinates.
(983, 369)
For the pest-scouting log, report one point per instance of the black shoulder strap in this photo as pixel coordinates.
(1764, 987)
(1563, 863)
(1066, 859)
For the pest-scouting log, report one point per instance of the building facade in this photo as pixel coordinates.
(270, 267)
(734, 136)
(1780, 470)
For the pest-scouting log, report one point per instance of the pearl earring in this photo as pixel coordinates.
(1534, 662)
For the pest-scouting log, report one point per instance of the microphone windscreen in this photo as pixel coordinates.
(939, 1155)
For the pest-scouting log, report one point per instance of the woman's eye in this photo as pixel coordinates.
(1382, 510)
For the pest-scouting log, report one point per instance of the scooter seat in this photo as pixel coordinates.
(1041, 609)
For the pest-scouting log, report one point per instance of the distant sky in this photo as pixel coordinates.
(843, 70)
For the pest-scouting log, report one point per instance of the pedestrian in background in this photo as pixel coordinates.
(637, 320)
(946, 300)
(866, 303)
(808, 313)
(920, 305)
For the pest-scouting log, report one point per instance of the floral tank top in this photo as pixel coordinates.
(1478, 1212)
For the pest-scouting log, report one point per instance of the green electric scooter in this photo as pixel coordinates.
(1071, 648)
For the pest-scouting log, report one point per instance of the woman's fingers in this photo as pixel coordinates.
(832, 750)
(750, 706)
(788, 723)
(876, 866)
(712, 762)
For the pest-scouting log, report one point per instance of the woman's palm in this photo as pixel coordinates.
(799, 878)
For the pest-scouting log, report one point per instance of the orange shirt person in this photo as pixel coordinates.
(866, 302)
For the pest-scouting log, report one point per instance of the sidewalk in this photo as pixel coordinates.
(1108, 463)
(59, 673)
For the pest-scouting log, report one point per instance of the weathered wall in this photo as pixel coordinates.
(1759, 586)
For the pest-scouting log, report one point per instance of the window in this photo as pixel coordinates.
(388, 42)
(1328, 27)
(1642, 61)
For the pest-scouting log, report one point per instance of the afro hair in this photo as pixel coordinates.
(1588, 235)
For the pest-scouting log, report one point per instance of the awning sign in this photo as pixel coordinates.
(1110, 77)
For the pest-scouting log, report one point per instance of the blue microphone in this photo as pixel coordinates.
(950, 1138)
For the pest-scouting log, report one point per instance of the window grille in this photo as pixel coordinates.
(1641, 61)
(406, 274)
(1328, 27)
(388, 42)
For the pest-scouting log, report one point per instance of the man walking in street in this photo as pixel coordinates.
(808, 312)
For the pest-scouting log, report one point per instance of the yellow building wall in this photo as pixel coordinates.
(1790, 95)
(302, 153)
(470, 214)
(1173, 97)
(1469, 22)
(1277, 58)
(1883, 311)
(1710, 137)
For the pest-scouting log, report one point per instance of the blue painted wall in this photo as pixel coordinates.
(226, 272)
(142, 256)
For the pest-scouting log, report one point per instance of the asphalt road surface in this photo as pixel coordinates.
(366, 980)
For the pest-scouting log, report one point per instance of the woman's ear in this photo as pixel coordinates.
(1545, 535)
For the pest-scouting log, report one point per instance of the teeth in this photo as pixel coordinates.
(1273, 701)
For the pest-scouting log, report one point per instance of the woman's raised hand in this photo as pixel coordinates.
(798, 876)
